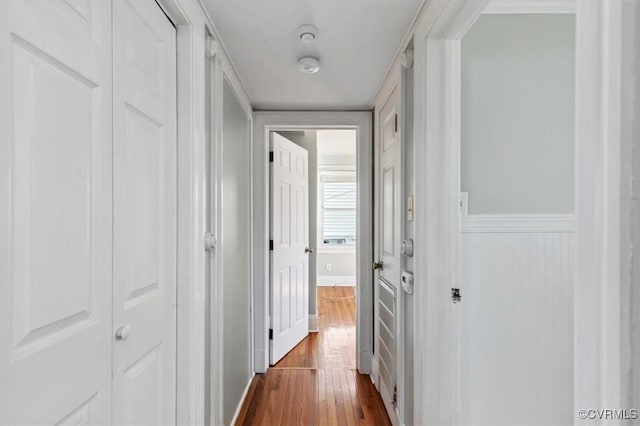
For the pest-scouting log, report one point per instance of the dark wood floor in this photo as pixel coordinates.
(317, 383)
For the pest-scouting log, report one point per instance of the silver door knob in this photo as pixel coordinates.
(308, 250)
(122, 333)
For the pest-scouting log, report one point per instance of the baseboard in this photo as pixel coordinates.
(242, 398)
(261, 361)
(364, 365)
(313, 323)
(337, 280)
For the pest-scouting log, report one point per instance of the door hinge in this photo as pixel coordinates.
(270, 245)
(396, 125)
(211, 47)
(455, 295)
(271, 334)
(271, 156)
(395, 396)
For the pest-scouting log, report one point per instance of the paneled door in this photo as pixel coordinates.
(289, 286)
(144, 213)
(388, 210)
(55, 214)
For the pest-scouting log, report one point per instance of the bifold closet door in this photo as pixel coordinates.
(144, 244)
(55, 214)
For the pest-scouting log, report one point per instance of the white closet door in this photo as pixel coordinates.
(55, 214)
(144, 153)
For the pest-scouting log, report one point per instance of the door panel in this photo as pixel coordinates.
(144, 214)
(290, 233)
(389, 192)
(389, 216)
(55, 224)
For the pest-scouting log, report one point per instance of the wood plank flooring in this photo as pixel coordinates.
(317, 383)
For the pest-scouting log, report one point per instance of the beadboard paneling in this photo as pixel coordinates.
(517, 325)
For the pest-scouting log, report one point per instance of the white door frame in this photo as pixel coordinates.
(264, 123)
(194, 348)
(598, 373)
(220, 71)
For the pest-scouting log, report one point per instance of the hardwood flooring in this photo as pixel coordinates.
(317, 383)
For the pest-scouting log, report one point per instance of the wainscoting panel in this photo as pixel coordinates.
(517, 320)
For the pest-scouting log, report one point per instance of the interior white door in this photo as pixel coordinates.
(289, 301)
(55, 220)
(389, 212)
(144, 178)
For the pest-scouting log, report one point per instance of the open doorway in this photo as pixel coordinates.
(332, 246)
(265, 125)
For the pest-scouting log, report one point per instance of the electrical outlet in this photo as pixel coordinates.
(327, 266)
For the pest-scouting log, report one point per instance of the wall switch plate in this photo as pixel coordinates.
(327, 267)
(407, 282)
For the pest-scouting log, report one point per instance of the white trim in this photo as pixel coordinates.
(336, 281)
(597, 341)
(518, 223)
(531, 6)
(264, 122)
(313, 323)
(191, 301)
(242, 398)
(193, 356)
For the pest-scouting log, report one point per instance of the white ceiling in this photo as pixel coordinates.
(356, 43)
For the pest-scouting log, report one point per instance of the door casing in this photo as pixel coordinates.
(598, 379)
(266, 122)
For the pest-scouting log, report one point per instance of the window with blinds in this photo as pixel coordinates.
(338, 204)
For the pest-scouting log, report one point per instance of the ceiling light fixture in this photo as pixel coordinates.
(309, 65)
(307, 33)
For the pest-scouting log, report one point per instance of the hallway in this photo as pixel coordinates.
(317, 383)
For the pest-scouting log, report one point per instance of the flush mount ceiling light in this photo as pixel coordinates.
(309, 65)
(307, 33)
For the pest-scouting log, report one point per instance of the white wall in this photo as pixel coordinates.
(343, 268)
(518, 113)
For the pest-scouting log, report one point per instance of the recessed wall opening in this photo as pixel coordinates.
(517, 240)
